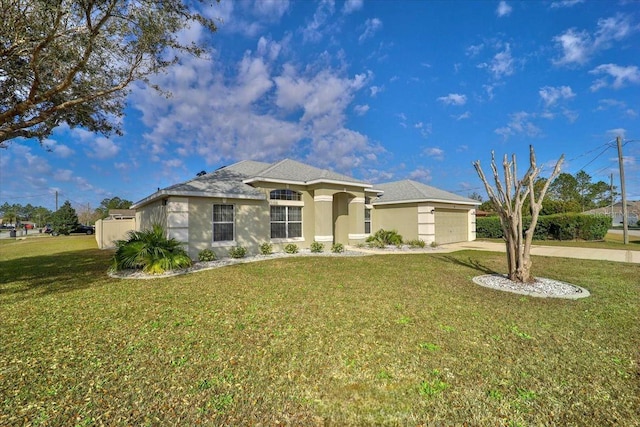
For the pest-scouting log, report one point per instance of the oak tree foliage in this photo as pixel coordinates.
(72, 61)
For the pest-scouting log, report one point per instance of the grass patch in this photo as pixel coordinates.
(403, 339)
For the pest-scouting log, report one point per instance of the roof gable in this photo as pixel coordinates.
(296, 172)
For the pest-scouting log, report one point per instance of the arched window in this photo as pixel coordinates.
(283, 194)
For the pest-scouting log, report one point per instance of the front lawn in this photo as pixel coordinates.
(376, 340)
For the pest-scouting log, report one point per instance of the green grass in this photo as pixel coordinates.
(378, 340)
(611, 241)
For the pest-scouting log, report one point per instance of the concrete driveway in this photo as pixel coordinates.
(616, 255)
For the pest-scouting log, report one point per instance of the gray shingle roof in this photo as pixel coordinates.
(408, 190)
(291, 170)
(231, 181)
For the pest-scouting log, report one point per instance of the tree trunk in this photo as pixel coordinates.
(508, 200)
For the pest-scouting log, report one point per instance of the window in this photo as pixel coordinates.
(223, 223)
(286, 222)
(285, 195)
(367, 221)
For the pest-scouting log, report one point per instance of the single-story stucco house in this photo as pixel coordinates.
(250, 203)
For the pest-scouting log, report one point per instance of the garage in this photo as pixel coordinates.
(451, 225)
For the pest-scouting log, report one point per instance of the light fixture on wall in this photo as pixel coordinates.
(433, 210)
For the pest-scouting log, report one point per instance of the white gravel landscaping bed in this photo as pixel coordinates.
(540, 288)
(209, 265)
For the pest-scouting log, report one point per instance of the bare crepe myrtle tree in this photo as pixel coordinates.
(508, 198)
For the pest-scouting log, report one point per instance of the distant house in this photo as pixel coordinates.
(615, 212)
(250, 203)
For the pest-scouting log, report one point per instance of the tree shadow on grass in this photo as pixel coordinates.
(470, 263)
(37, 276)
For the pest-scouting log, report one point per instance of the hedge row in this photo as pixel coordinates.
(567, 226)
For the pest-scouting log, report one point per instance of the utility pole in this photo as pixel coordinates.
(611, 185)
(56, 200)
(625, 225)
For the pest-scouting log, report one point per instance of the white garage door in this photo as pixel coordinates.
(451, 226)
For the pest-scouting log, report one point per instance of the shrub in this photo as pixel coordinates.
(237, 252)
(337, 248)
(317, 247)
(565, 226)
(488, 227)
(266, 248)
(385, 237)
(291, 248)
(206, 255)
(434, 244)
(416, 243)
(150, 250)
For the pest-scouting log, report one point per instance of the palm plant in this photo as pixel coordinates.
(150, 250)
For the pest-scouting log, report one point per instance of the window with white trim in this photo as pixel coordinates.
(285, 194)
(286, 222)
(223, 223)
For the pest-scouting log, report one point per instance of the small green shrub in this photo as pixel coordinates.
(376, 244)
(385, 237)
(489, 227)
(266, 248)
(238, 252)
(434, 244)
(206, 255)
(291, 248)
(317, 247)
(416, 243)
(337, 248)
(150, 250)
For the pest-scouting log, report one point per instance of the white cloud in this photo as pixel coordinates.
(462, 116)
(271, 10)
(317, 28)
(64, 175)
(103, 148)
(425, 129)
(621, 76)
(435, 152)
(260, 114)
(577, 47)
(474, 50)
(520, 123)
(420, 174)
(502, 64)
(565, 3)
(59, 150)
(551, 95)
(503, 9)
(351, 6)
(621, 132)
(375, 90)
(371, 26)
(453, 99)
(361, 110)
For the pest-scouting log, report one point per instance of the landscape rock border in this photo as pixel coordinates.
(210, 265)
(540, 288)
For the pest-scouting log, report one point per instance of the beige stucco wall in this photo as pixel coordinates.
(153, 213)
(251, 226)
(110, 230)
(417, 220)
(400, 217)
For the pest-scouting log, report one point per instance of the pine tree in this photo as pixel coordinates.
(65, 219)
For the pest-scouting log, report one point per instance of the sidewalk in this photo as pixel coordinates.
(616, 255)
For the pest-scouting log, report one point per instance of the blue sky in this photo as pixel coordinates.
(379, 90)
